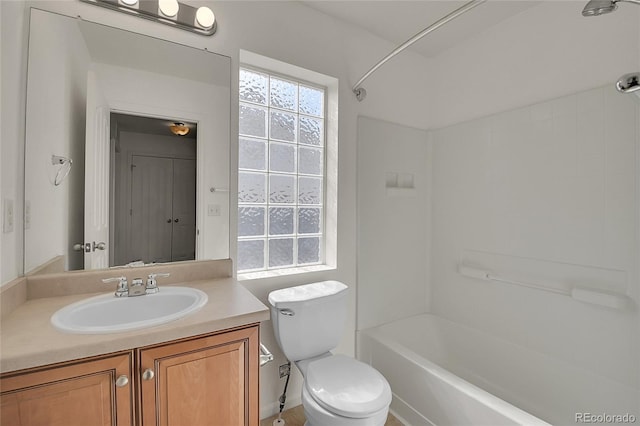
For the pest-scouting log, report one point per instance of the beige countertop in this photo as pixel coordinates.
(28, 339)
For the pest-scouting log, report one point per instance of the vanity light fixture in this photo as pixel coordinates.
(199, 20)
(179, 129)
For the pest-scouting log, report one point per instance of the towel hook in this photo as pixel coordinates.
(61, 161)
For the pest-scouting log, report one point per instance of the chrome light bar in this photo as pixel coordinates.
(169, 12)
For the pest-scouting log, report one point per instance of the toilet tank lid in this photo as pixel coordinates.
(306, 292)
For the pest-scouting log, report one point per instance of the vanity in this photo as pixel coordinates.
(196, 370)
(101, 107)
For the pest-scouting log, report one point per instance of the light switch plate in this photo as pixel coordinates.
(213, 210)
(7, 215)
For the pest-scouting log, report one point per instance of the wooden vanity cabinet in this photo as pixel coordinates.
(97, 391)
(205, 380)
(211, 380)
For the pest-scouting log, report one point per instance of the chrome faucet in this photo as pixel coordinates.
(152, 285)
(137, 287)
(123, 287)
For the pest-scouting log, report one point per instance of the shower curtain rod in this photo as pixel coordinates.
(361, 93)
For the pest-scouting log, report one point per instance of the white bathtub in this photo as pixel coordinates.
(443, 373)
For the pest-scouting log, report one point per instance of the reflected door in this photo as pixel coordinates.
(151, 209)
(163, 212)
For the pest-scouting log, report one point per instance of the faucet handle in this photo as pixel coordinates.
(123, 286)
(114, 279)
(152, 286)
(159, 275)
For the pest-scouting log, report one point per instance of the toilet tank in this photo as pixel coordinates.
(308, 320)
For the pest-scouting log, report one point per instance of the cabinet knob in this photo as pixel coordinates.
(122, 381)
(148, 374)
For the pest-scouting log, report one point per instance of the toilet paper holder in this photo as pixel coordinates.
(265, 355)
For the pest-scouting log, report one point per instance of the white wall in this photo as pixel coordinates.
(526, 194)
(13, 34)
(393, 223)
(296, 34)
(55, 127)
(1, 150)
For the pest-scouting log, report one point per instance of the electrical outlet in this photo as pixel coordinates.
(285, 369)
(7, 215)
(27, 214)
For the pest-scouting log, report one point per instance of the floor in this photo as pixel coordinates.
(295, 417)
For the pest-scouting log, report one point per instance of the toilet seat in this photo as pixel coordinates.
(318, 416)
(347, 387)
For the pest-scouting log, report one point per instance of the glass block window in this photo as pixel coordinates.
(281, 162)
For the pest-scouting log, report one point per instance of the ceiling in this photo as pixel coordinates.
(398, 20)
(149, 125)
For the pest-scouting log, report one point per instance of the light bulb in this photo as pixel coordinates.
(169, 8)
(205, 17)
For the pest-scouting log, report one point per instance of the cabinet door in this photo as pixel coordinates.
(210, 380)
(82, 394)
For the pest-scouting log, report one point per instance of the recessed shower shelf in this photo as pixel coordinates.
(400, 184)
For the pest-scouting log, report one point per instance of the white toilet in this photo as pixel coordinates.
(308, 322)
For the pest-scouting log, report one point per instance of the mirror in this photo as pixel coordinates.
(107, 182)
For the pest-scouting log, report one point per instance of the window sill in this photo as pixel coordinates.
(283, 272)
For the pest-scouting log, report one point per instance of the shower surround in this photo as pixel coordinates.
(546, 194)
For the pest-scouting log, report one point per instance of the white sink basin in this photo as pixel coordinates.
(110, 314)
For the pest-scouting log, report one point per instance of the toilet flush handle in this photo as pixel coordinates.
(287, 312)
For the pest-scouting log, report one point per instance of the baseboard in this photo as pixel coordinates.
(406, 414)
(271, 409)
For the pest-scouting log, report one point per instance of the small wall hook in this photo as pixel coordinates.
(58, 160)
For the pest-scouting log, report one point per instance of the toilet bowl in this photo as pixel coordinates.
(337, 390)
